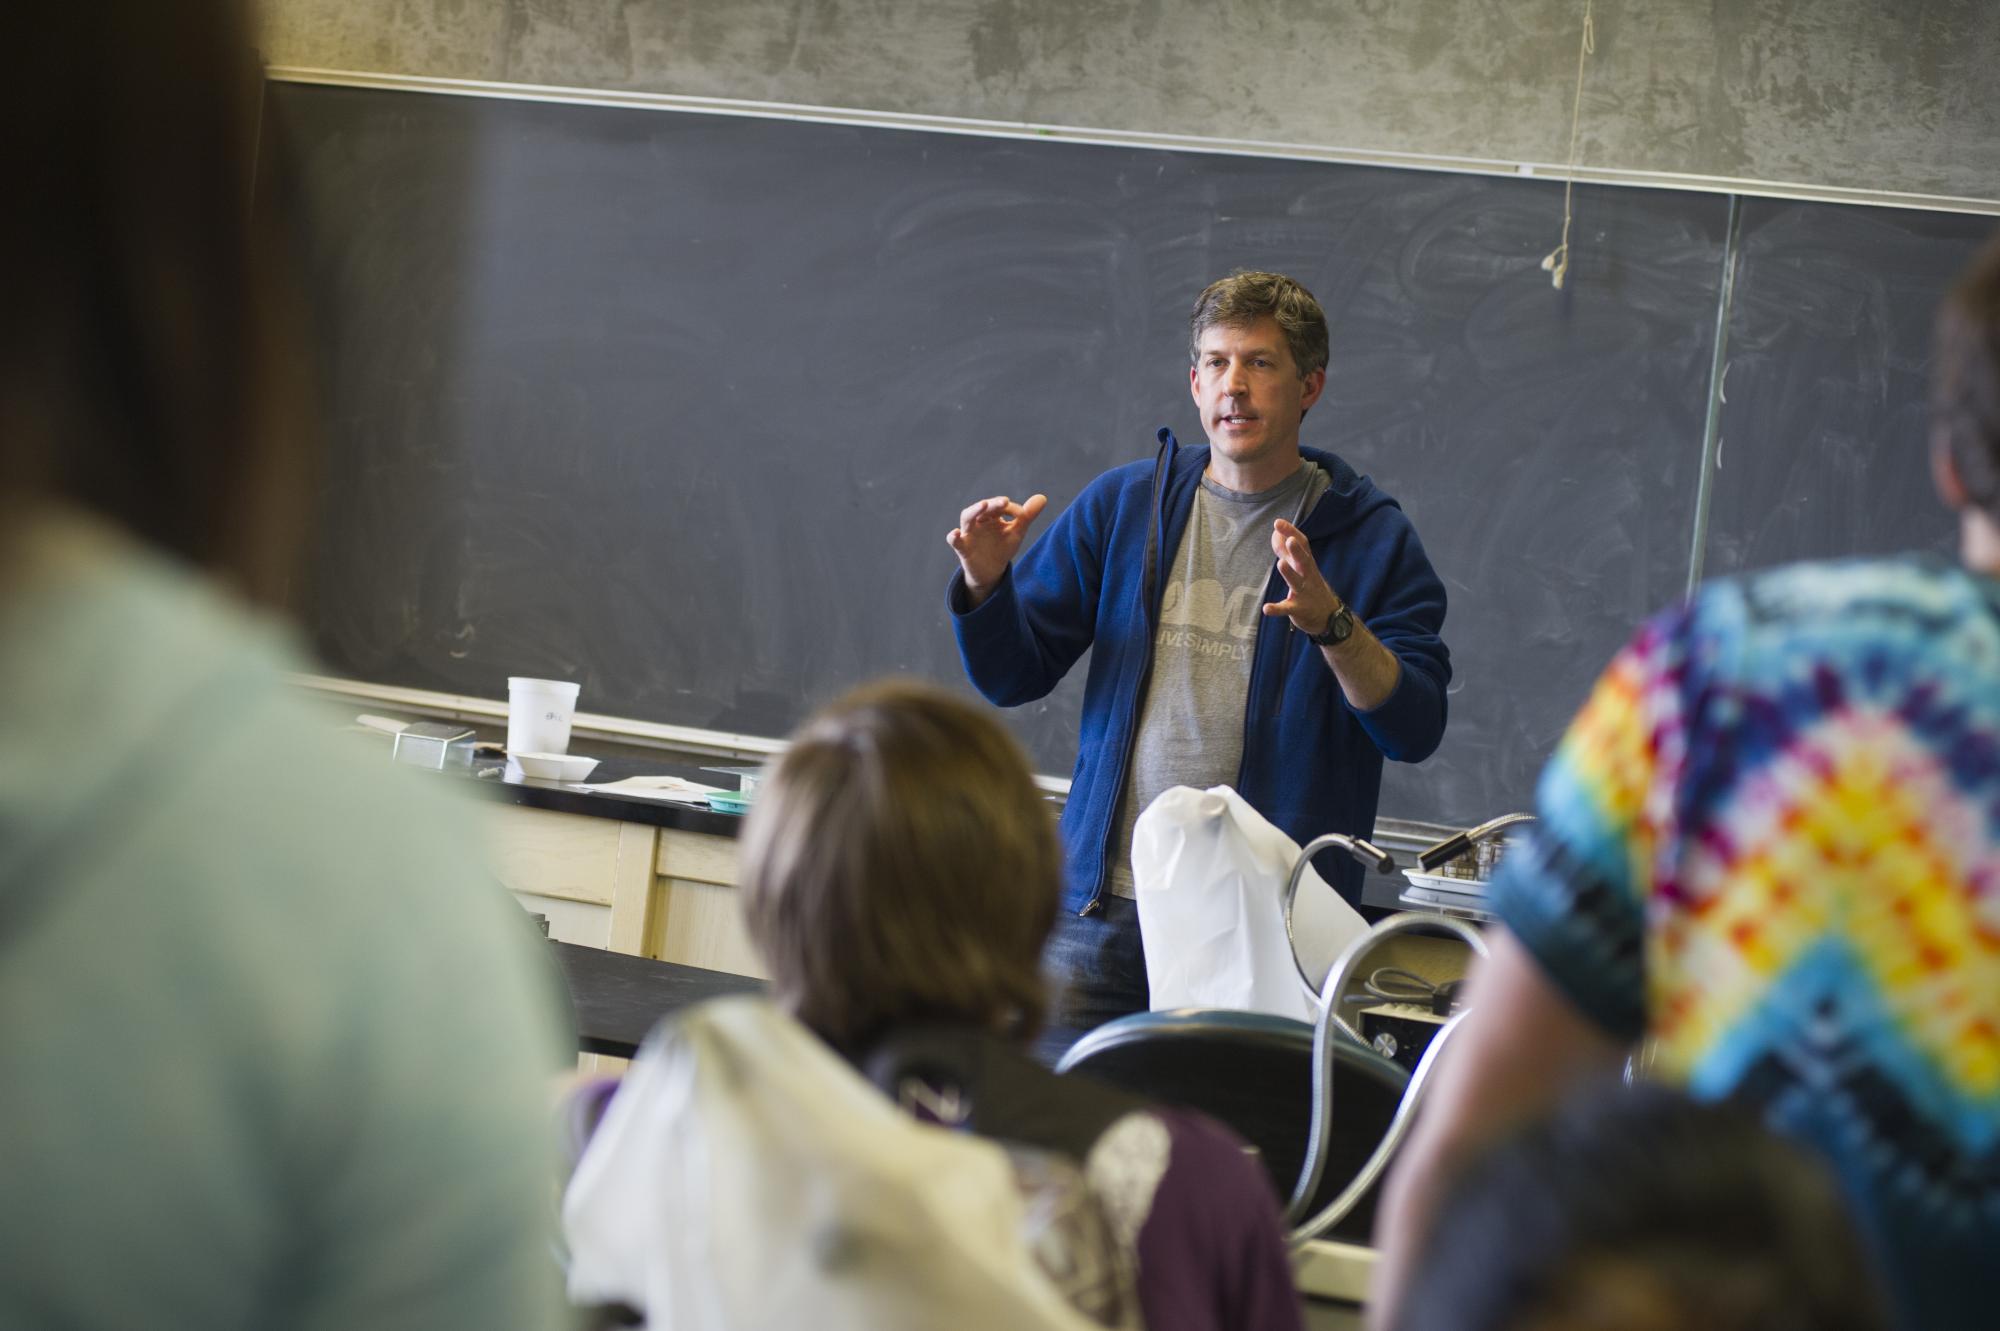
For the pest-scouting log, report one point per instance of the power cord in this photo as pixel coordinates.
(1393, 984)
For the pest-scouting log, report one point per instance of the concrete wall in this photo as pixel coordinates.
(1864, 94)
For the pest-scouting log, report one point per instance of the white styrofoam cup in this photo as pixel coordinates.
(539, 712)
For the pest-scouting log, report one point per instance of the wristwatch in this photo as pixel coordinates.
(1339, 628)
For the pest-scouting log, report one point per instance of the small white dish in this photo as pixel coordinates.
(553, 766)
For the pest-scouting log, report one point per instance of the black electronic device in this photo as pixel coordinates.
(1399, 1031)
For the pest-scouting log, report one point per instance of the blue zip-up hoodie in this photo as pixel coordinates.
(1312, 764)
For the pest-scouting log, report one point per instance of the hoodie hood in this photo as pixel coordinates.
(1350, 497)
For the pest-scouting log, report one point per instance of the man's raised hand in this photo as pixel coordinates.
(988, 536)
(1309, 601)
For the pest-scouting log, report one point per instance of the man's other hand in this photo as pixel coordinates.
(988, 536)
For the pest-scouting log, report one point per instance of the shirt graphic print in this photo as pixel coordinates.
(1191, 725)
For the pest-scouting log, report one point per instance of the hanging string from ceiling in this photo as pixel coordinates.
(1557, 262)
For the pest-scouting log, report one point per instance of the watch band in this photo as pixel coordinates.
(1339, 628)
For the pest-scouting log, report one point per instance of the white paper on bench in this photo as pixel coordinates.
(673, 788)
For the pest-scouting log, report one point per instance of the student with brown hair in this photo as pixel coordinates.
(899, 876)
(274, 1049)
(902, 827)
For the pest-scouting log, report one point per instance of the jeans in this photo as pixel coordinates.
(1096, 970)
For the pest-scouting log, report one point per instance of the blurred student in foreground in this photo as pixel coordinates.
(1642, 1210)
(900, 876)
(1770, 844)
(273, 1050)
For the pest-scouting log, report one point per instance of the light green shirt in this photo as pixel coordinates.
(273, 1047)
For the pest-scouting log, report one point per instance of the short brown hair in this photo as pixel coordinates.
(1965, 396)
(1243, 298)
(899, 865)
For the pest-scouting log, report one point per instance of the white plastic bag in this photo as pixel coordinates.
(1209, 872)
(744, 1177)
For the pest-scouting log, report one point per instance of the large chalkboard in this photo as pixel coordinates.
(682, 406)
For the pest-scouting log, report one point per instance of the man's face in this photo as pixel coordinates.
(1250, 393)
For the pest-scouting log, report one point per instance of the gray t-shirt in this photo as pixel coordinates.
(1191, 726)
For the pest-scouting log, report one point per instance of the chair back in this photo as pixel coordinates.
(1255, 1074)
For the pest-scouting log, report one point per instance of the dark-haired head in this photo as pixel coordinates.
(148, 365)
(1641, 1210)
